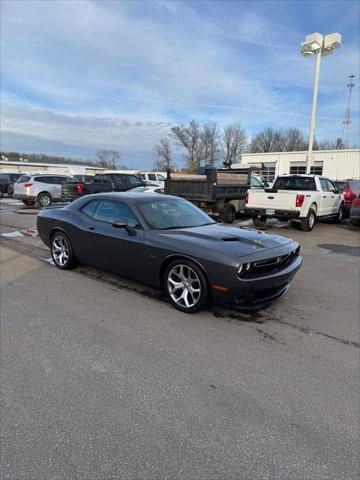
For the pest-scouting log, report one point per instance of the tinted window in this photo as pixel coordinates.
(53, 180)
(324, 185)
(67, 179)
(295, 183)
(14, 177)
(166, 214)
(23, 179)
(152, 176)
(355, 185)
(109, 211)
(4, 178)
(331, 186)
(90, 208)
(134, 180)
(254, 182)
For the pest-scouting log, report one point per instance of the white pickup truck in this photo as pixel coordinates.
(300, 198)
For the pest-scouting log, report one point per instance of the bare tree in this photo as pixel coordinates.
(163, 152)
(326, 144)
(233, 143)
(107, 158)
(210, 144)
(269, 140)
(295, 140)
(189, 137)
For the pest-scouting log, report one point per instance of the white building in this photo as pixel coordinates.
(334, 164)
(12, 166)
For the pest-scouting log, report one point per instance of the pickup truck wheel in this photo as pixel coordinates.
(44, 199)
(230, 213)
(259, 221)
(339, 216)
(308, 223)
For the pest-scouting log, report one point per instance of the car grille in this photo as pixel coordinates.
(270, 265)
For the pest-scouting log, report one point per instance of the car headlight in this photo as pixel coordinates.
(244, 268)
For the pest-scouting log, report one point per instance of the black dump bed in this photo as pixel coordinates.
(211, 187)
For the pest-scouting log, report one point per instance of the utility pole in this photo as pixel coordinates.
(347, 121)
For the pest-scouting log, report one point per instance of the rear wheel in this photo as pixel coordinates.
(44, 199)
(186, 286)
(10, 190)
(259, 221)
(230, 213)
(308, 223)
(62, 252)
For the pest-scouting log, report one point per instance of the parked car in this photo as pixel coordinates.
(7, 181)
(300, 198)
(355, 212)
(350, 192)
(120, 182)
(171, 244)
(70, 191)
(84, 178)
(155, 178)
(41, 189)
(148, 190)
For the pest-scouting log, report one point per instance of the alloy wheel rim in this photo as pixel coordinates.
(311, 220)
(184, 286)
(45, 201)
(60, 250)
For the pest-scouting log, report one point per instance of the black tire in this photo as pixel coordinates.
(308, 223)
(339, 216)
(60, 244)
(259, 221)
(44, 199)
(10, 190)
(197, 301)
(1, 193)
(229, 213)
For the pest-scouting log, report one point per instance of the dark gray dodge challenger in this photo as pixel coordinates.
(169, 243)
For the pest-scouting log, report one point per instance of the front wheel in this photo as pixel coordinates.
(339, 216)
(62, 252)
(259, 221)
(308, 223)
(186, 286)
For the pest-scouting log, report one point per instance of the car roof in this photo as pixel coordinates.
(130, 197)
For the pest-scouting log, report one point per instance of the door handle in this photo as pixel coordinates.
(91, 227)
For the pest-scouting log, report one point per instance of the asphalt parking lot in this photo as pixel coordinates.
(102, 379)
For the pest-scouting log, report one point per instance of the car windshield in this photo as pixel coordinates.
(295, 183)
(168, 214)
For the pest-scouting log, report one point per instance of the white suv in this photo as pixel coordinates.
(40, 189)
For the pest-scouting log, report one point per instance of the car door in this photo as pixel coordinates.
(116, 249)
(55, 187)
(326, 200)
(335, 197)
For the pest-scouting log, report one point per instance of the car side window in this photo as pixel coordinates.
(254, 182)
(331, 186)
(90, 208)
(161, 178)
(324, 185)
(152, 176)
(109, 211)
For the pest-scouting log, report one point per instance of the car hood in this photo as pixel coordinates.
(233, 241)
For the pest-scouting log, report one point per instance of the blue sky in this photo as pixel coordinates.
(77, 76)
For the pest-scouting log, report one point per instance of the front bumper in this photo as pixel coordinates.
(284, 214)
(254, 293)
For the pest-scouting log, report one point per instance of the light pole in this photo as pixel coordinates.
(319, 45)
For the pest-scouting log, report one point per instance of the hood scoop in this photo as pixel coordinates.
(230, 239)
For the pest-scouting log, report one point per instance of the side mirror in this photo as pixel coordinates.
(120, 224)
(123, 224)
